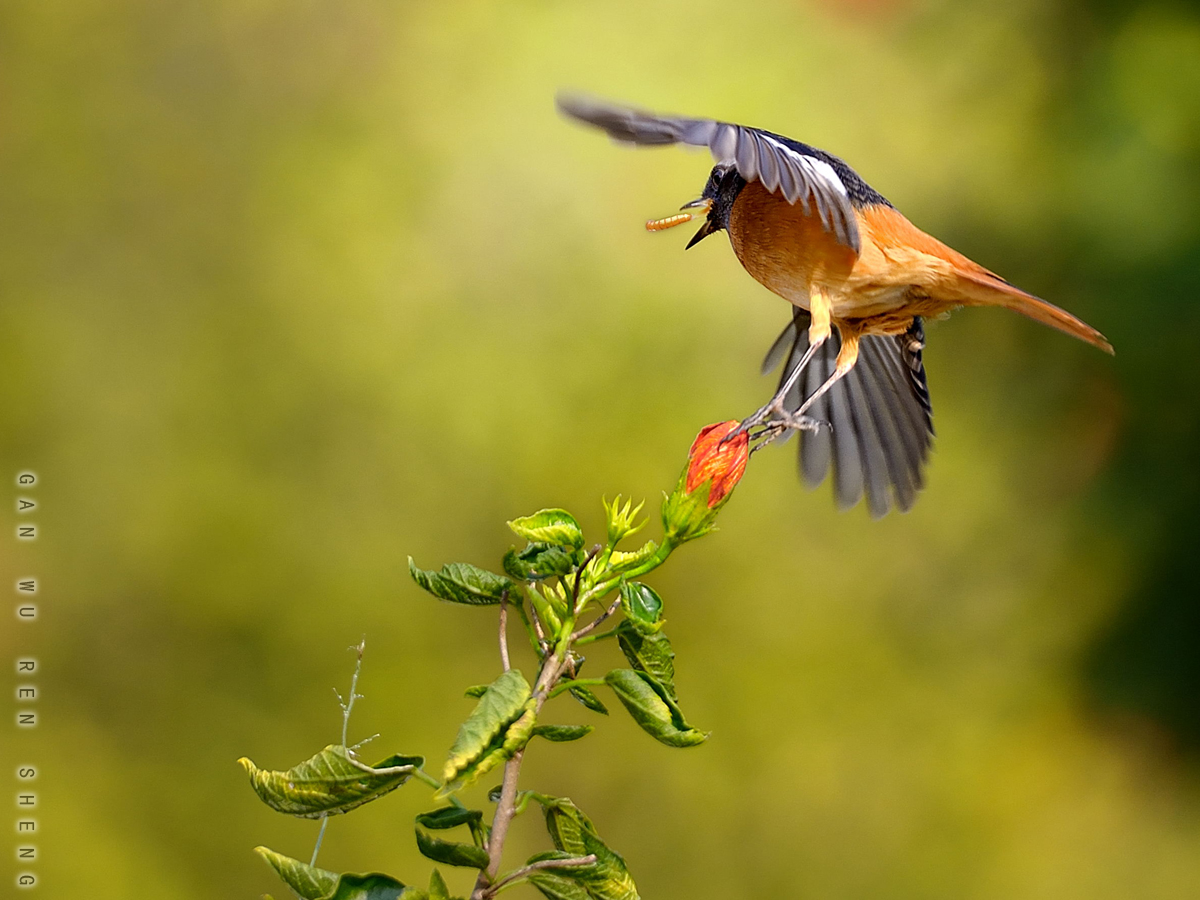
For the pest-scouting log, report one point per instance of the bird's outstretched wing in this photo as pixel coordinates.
(801, 173)
(880, 418)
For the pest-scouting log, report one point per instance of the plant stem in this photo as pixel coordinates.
(575, 682)
(320, 837)
(359, 648)
(587, 629)
(504, 632)
(346, 706)
(544, 864)
(552, 668)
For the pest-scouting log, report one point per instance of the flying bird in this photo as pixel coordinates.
(860, 278)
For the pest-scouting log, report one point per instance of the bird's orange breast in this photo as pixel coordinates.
(784, 249)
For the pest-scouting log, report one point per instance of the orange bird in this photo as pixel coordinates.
(860, 278)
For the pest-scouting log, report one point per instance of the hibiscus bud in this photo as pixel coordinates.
(715, 466)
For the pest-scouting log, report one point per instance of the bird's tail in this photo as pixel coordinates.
(987, 289)
(879, 421)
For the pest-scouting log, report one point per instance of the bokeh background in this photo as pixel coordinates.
(293, 290)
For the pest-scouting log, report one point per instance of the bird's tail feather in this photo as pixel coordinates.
(987, 289)
(880, 425)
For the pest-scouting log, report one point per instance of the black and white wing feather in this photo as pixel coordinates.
(880, 419)
(801, 173)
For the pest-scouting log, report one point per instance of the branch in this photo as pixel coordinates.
(552, 668)
(544, 864)
(587, 629)
(346, 706)
(504, 631)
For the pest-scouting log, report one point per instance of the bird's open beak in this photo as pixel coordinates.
(704, 203)
(701, 203)
(705, 230)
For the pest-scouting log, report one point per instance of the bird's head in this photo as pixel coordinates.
(716, 203)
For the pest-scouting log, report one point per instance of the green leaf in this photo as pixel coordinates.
(620, 561)
(566, 824)
(451, 853)
(574, 835)
(308, 881)
(374, 886)
(462, 583)
(482, 740)
(449, 817)
(589, 699)
(549, 526)
(650, 653)
(538, 561)
(475, 691)
(558, 887)
(331, 782)
(642, 607)
(562, 733)
(312, 883)
(652, 708)
(437, 887)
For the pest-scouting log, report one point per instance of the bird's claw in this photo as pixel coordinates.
(771, 423)
(767, 412)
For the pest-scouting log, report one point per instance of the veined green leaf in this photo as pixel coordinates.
(642, 607)
(574, 835)
(331, 782)
(451, 853)
(652, 708)
(589, 699)
(475, 691)
(462, 583)
(482, 738)
(450, 817)
(566, 823)
(562, 733)
(373, 886)
(549, 526)
(651, 653)
(621, 560)
(539, 561)
(312, 883)
(558, 887)
(308, 881)
(437, 887)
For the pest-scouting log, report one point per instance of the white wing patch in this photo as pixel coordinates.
(817, 168)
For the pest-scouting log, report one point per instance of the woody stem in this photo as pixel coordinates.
(552, 668)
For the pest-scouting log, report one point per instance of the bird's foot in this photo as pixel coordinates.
(772, 410)
(798, 422)
(771, 423)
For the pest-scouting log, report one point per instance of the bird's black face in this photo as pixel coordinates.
(724, 185)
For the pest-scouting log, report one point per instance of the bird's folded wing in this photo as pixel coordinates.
(779, 164)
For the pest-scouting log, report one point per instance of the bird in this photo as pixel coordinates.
(861, 279)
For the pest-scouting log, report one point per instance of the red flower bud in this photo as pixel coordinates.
(719, 460)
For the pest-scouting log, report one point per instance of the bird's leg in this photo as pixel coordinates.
(819, 331)
(846, 359)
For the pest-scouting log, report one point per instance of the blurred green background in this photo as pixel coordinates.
(293, 290)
